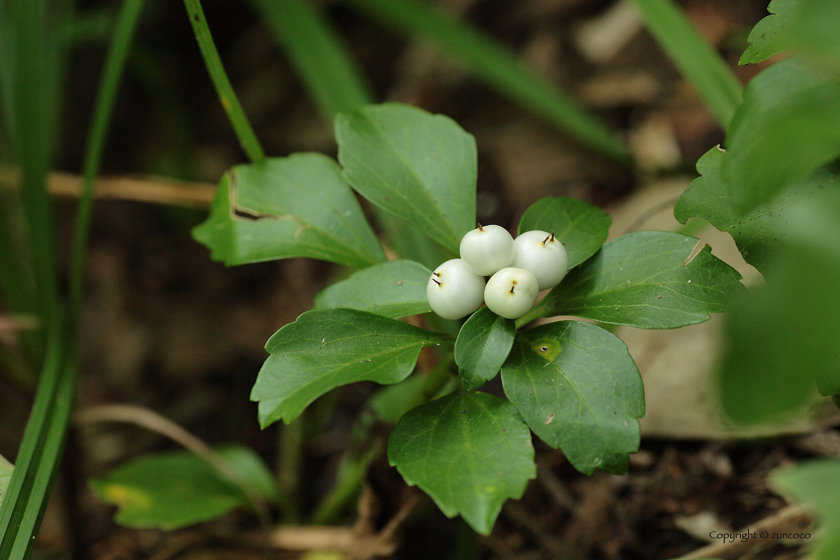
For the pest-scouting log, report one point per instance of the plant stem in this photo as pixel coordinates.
(247, 138)
(536, 312)
(351, 475)
(292, 438)
(114, 65)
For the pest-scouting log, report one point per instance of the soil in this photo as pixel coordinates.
(168, 329)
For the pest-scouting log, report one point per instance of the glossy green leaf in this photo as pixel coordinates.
(299, 206)
(498, 67)
(393, 289)
(172, 490)
(787, 126)
(482, 347)
(580, 226)
(324, 349)
(6, 469)
(782, 339)
(816, 483)
(649, 280)
(469, 451)
(771, 35)
(761, 232)
(694, 56)
(578, 389)
(418, 166)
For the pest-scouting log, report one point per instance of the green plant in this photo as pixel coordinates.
(33, 44)
(775, 190)
(571, 383)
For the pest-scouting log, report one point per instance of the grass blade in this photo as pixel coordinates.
(115, 62)
(32, 76)
(695, 58)
(43, 442)
(40, 453)
(247, 138)
(499, 68)
(318, 55)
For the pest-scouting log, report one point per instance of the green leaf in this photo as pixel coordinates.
(6, 469)
(694, 56)
(482, 346)
(580, 226)
(297, 206)
(172, 490)
(40, 450)
(771, 35)
(251, 471)
(761, 232)
(418, 166)
(393, 289)
(409, 243)
(469, 451)
(497, 67)
(787, 126)
(816, 483)
(649, 280)
(578, 389)
(782, 339)
(317, 53)
(813, 25)
(391, 402)
(324, 349)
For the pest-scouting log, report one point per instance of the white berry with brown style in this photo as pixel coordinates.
(453, 291)
(487, 249)
(511, 292)
(543, 255)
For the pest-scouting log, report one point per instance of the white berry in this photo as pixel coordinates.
(511, 292)
(543, 255)
(453, 291)
(487, 249)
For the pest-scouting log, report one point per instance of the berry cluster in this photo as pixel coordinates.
(518, 269)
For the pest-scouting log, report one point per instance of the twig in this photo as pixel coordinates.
(782, 518)
(10, 324)
(358, 542)
(155, 190)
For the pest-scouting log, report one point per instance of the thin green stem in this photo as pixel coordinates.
(536, 312)
(247, 138)
(350, 479)
(114, 65)
(289, 461)
(38, 458)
